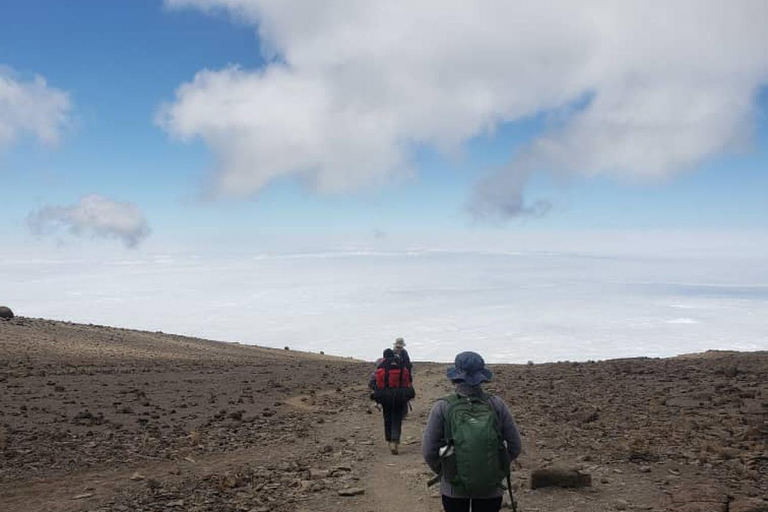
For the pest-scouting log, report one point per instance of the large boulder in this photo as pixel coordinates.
(559, 477)
(5, 313)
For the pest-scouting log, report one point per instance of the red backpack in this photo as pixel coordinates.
(393, 374)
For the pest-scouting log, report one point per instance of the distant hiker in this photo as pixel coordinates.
(470, 440)
(392, 389)
(399, 349)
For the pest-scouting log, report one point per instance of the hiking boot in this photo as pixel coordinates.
(393, 448)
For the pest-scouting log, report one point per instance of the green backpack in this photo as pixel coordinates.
(476, 460)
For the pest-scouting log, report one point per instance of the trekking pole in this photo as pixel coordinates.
(512, 500)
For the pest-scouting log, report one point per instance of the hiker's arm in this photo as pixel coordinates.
(509, 430)
(433, 437)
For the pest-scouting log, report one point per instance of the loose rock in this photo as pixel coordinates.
(353, 491)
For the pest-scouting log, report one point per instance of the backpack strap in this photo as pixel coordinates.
(452, 400)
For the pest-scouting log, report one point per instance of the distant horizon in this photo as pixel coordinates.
(652, 296)
(288, 348)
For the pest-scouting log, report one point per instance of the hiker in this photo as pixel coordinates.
(465, 430)
(399, 349)
(392, 389)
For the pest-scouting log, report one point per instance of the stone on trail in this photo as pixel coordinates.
(316, 474)
(352, 491)
(559, 477)
(5, 313)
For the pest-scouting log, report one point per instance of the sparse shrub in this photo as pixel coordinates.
(286, 348)
(194, 438)
(729, 370)
(530, 363)
(5, 313)
(639, 450)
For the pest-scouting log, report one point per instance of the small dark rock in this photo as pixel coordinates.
(355, 491)
(6, 313)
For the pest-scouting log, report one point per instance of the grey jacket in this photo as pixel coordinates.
(433, 436)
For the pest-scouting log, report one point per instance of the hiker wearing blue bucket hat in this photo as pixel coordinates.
(470, 440)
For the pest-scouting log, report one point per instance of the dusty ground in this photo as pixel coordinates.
(102, 419)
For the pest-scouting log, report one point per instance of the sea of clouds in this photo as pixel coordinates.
(511, 306)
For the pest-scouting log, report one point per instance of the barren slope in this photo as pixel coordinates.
(103, 419)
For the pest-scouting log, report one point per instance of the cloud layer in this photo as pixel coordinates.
(94, 216)
(635, 90)
(537, 306)
(32, 108)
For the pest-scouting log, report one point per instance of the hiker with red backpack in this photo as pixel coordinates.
(392, 388)
(470, 441)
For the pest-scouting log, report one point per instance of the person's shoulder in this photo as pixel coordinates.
(497, 402)
(441, 404)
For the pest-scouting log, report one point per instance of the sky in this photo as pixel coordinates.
(539, 182)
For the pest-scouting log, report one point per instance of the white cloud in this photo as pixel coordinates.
(31, 107)
(683, 321)
(642, 90)
(93, 215)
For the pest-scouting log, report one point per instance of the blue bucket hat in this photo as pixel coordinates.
(470, 368)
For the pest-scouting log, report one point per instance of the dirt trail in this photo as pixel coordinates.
(398, 482)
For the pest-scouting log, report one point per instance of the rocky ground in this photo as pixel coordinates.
(96, 418)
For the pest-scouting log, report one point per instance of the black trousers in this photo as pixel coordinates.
(393, 420)
(478, 505)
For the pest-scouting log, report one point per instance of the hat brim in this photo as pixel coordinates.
(472, 379)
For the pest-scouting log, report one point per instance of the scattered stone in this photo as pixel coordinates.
(137, 477)
(316, 474)
(559, 477)
(621, 504)
(748, 505)
(83, 496)
(87, 418)
(352, 491)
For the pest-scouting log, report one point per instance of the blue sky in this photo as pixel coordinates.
(119, 61)
(171, 131)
